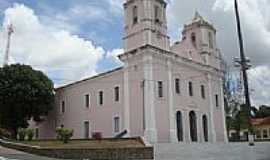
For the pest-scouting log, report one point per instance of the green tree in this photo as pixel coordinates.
(262, 112)
(24, 94)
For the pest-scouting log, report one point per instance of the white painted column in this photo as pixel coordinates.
(150, 132)
(126, 118)
(200, 127)
(172, 114)
(223, 111)
(198, 121)
(211, 118)
(186, 126)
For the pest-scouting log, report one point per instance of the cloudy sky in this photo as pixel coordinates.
(72, 39)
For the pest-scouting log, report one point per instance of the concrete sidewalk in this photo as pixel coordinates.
(195, 151)
(9, 154)
(202, 151)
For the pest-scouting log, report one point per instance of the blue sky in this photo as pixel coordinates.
(102, 31)
(74, 39)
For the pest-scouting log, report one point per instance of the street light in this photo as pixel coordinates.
(244, 63)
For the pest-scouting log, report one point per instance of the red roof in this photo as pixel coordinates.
(260, 121)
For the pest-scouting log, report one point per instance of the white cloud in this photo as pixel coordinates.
(57, 52)
(116, 6)
(114, 55)
(85, 14)
(260, 85)
(255, 27)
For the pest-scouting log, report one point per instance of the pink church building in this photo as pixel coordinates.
(163, 93)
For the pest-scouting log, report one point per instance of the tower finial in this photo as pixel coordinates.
(197, 16)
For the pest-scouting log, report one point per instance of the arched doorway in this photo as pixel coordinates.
(205, 128)
(179, 124)
(193, 126)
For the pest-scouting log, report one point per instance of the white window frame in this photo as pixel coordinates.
(119, 125)
(135, 15)
(260, 134)
(190, 88)
(61, 106)
(84, 100)
(179, 85)
(162, 89)
(119, 94)
(267, 135)
(203, 91)
(98, 100)
(83, 129)
(217, 102)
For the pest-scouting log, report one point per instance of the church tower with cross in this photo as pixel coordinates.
(163, 93)
(145, 23)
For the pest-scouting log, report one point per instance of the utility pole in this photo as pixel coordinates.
(10, 31)
(244, 64)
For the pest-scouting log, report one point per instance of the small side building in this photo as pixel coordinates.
(262, 128)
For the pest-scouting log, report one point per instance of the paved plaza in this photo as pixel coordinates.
(196, 151)
(9, 154)
(199, 151)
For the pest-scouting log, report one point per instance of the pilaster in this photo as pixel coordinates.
(173, 137)
(150, 132)
(126, 100)
(186, 126)
(223, 111)
(211, 118)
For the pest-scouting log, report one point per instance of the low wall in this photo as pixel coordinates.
(136, 153)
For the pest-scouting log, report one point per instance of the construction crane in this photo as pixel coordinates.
(10, 31)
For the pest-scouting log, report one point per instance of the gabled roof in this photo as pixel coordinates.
(90, 78)
(260, 121)
(198, 19)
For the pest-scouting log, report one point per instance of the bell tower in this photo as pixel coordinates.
(145, 24)
(200, 38)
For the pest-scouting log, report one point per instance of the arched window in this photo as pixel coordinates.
(157, 14)
(135, 15)
(179, 124)
(190, 88)
(193, 126)
(177, 86)
(193, 39)
(210, 38)
(203, 91)
(205, 128)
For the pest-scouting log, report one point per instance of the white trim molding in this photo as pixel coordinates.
(126, 119)
(223, 111)
(172, 117)
(211, 118)
(150, 132)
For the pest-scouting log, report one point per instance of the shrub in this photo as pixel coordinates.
(30, 134)
(21, 134)
(5, 134)
(64, 134)
(97, 135)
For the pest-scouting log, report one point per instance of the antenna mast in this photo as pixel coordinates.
(10, 31)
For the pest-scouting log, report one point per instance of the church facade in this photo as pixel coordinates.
(164, 93)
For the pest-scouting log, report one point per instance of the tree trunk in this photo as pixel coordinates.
(14, 133)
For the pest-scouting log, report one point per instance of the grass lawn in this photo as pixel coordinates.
(87, 144)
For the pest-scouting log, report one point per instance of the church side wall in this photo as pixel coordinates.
(161, 104)
(219, 115)
(100, 117)
(136, 99)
